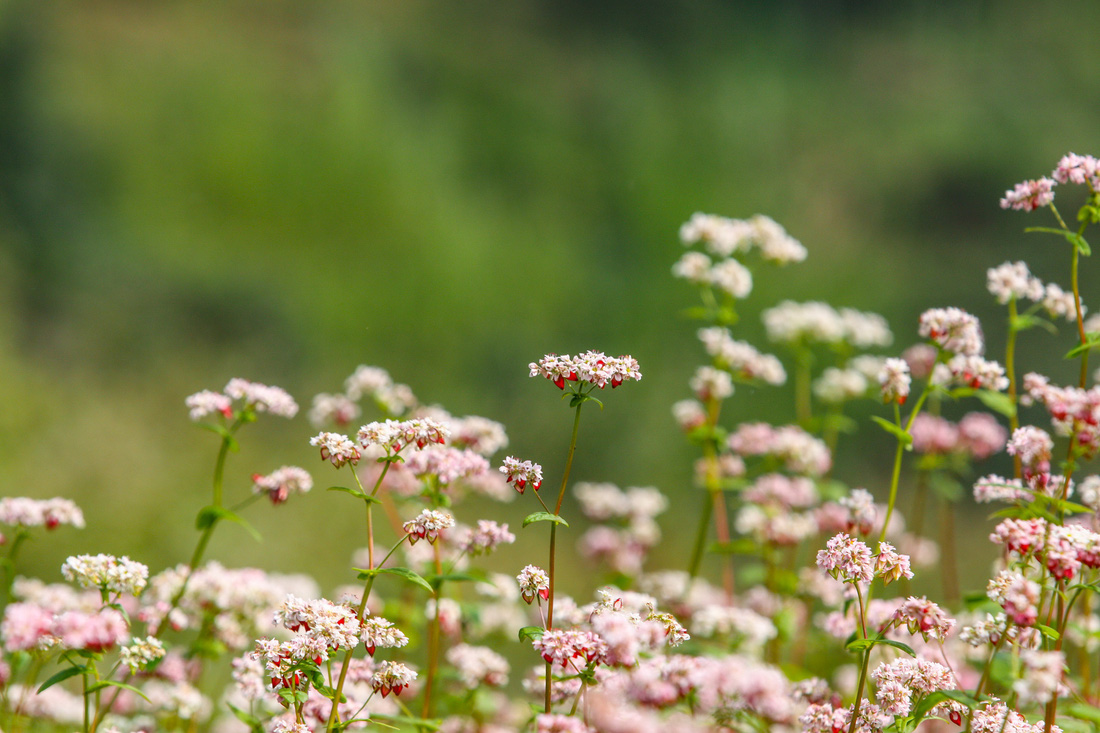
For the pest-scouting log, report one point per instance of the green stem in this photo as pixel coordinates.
(700, 537)
(1010, 370)
(803, 405)
(863, 667)
(554, 538)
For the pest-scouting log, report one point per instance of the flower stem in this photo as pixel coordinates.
(1010, 370)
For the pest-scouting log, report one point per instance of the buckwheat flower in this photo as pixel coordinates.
(711, 384)
(891, 566)
(562, 646)
(332, 408)
(555, 723)
(392, 677)
(689, 414)
(447, 464)
(981, 435)
(693, 267)
(721, 235)
(1017, 595)
(1033, 445)
(558, 369)
(977, 372)
(479, 434)
(920, 358)
(953, 330)
(478, 665)
(933, 434)
(427, 525)
(533, 581)
(1060, 304)
(386, 434)
(289, 726)
(206, 403)
(922, 616)
(487, 537)
(377, 632)
(835, 386)
(119, 575)
(1073, 168)
(776, 245)
(894, 380)
(731, 277)
(140, 653)
(520, 473)
(1042, 677)
(94, 632)
(846, 559)
(814, 322)
(262, 398)
(996, 488)
(281, 483)
(1022, 536)
(367, 380)
(336, 449)
(1090, 492)
(1013, 280)
(989, 630)
(18, 511)
(420, 431)
(1029, 195)
(862, 513)
(333, 625)
(864, 330)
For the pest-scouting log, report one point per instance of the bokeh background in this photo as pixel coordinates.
(282, 190)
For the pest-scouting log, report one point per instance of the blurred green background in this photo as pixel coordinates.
(282, 190)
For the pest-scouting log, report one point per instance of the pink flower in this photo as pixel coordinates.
(427, 525)
(336, 448)
(533, 581)
(280, 484)
(847, 559)
(1029, 195)
(520, 473)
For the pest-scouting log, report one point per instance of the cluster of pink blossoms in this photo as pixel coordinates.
(392, 677)
(251, 395)
(428, 525)
(17, 511)
(533, 581)
(953, 330)
(281, 483)
(520, 473)
(799, 451)
(390, 435)
(1074, 412)
(1033, 194)
(978, 435)
(593, 367)
(1014, 281)
(849, 560)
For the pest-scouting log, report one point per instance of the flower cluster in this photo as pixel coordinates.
(281, 483)
(520, 473)
(20, 511)
(816, 322)
(117, 575)
(427, 525)
(252, 396)
(592, 367)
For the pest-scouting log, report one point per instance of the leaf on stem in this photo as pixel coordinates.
(356, 493)
(1072, 237)
(903, 437)
(1081, 711)
(399, 572)
(210, 515)
(404, 720)
(544, 517)
(997, 401)
(255, 725)
(114, 683)
(530, 633)
(1092, 343)
(63, 675)
(858, 645)
(1027, 321)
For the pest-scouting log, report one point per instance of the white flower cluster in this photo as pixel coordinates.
(816, 322)
(1014, 281)
(253, 396)
(119, 575)
(18, 511)
(725, 237)
(593, 367)
(741, 358)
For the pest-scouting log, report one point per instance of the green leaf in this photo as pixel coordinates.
(1027, 321)
(223, 431)
(902, 436)
(544, 517)
(1048, 632)
(418, 723)
(997, 401)
(858, 645)
(63, 675)
(399, 572)
(528, 633)
(210, 515)
(1081, 711)
(114, 683)
(1072, 237)
(1092, 342)
(255, 725)
(356, 493)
